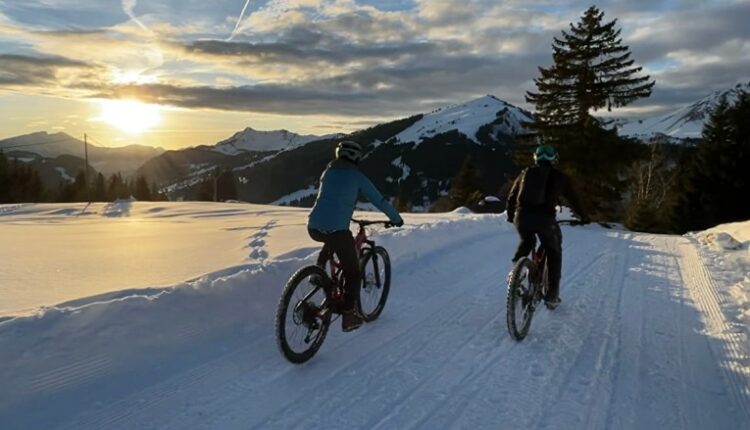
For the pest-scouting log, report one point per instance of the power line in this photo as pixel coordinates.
(34, 144)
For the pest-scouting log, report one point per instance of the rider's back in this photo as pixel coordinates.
(340, 187)
(539, 189)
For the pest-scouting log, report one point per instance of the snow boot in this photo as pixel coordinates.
(552, 303)
(351, 320)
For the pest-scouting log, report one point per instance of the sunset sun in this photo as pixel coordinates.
(129, 116)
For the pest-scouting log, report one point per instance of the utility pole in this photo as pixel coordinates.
(86, 166)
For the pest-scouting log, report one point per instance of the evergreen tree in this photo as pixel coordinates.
(713, 184)
(73, 191)
(466, 187)
(226, 186)
(156, 194)
(141, 190)
(117, 188)
(592, 70)
(19, 183)
(4, 179)
(100, 189)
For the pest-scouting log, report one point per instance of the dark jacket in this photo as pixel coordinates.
(556, 185)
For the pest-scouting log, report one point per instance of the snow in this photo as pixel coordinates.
(257, 140)
(64, 174)
(296, 196)
(685, 122)
(405, 170)
(725, 250)
(640, 341)
(467, 118)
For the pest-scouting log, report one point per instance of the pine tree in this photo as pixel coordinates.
(100, 189)
(712, 186)
(141, 190)
(466, 187)
(226, 186)
(592, 70)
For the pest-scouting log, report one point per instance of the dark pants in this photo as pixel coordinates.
(531, 225)
(341, 243)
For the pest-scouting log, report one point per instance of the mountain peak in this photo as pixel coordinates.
(468, 118)
(252, 140)
(685, 122)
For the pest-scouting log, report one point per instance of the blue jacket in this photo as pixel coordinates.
(340, 186)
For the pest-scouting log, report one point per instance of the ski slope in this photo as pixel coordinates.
(646, 337)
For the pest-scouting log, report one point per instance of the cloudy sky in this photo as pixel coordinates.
(213, 67)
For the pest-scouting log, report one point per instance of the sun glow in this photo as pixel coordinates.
(129, 116)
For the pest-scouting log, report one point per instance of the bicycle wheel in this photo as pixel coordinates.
(520, 299)
(302, 318)
(376, 282)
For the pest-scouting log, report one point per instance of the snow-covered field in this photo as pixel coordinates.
(179, 331)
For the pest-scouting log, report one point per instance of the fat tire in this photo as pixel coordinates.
(385, 260)
(281, 312)
(518, 332)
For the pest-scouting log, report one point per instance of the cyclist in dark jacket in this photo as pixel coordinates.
(531, 208)
(341, 184)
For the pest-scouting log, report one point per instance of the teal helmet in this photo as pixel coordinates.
(545, 153)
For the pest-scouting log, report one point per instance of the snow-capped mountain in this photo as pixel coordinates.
(251, 140)
(684, 123)
(125, 160)
(468, 118)
(415, 158)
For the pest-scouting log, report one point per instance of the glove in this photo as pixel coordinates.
(398, 223)
(510, 219)
(585, 220)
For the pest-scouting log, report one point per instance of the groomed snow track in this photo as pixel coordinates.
(638, 342)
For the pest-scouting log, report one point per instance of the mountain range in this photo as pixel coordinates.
(414, 158)
(683, 124)
(59, 156)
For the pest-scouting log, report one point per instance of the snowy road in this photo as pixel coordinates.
(640, 341)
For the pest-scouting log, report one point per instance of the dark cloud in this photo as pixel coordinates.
(296, 100)
(695, 30)
(390, 64)
(21, 70)
(378, 91)
(299, 47)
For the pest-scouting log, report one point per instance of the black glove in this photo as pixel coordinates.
(398, 223)
(510, 219)
(585, 220)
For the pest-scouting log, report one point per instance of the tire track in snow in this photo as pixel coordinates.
(449, 412)
(223, 386)
(154, 398)
(72, 374)
(580, 385)
(726, 344)
(403, 341)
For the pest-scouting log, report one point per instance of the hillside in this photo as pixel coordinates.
(414, 158)
(125, 160)
(250, 140)
(685, 123)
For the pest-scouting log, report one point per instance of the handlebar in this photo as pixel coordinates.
(365, 223)
(571, 222)
(574, 222)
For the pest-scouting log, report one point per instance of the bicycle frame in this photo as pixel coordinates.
(360, 240)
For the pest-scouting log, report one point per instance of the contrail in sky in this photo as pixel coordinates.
(239, 20)
(128, 6)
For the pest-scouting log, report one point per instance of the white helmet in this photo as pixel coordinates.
(348, 150)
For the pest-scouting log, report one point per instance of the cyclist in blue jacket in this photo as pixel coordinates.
(340, 186)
